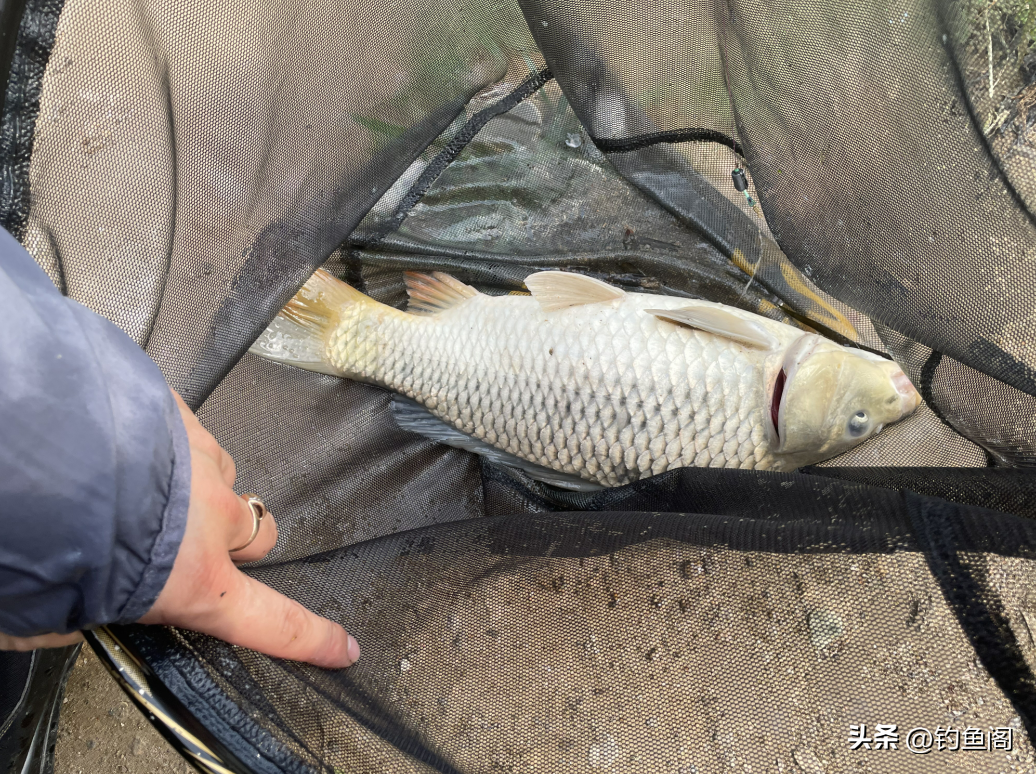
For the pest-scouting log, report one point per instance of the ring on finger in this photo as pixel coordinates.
(258, 509)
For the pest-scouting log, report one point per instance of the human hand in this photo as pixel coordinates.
(206, 592)
(8, 642)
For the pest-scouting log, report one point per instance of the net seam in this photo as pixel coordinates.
(455, 147)
(979, 612)
(640, 141)
(34, 42)
(931, 365)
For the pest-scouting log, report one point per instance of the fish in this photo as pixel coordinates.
(584, 385)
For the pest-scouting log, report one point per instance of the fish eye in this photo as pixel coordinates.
(858, 423)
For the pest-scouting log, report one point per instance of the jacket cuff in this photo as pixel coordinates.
(174, 523)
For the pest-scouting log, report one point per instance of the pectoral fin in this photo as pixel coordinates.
(561, 289)
(721, 322)
(416, 418)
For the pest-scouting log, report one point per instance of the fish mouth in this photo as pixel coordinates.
(796, 355)
(909, 398)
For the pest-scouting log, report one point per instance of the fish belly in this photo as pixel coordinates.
(603, 392)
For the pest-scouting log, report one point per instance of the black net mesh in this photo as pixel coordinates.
(182, 169)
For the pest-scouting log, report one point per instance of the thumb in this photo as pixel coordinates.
(250, 614)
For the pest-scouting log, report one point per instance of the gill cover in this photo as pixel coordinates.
(835, 398)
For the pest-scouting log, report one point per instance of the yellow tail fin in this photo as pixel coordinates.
(298, 335)
(319, 302)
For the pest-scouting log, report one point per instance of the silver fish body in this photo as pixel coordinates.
(605, 386)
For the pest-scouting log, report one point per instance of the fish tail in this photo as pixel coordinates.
(319, 303)
(300, 332)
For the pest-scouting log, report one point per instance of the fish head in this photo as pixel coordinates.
(828, 398)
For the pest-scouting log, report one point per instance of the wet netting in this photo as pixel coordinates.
(183, 167)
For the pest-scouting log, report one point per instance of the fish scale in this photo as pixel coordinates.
(488, 381)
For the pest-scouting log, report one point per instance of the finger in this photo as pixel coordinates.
(180, 402)
(233, 516)
(253, 615)
(264, 541)
(200, 438)
(227, 466)
(7, 642)
(190, 421)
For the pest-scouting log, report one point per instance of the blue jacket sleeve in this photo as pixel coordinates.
(94, 462)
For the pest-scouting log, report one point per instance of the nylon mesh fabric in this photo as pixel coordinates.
(182, 168)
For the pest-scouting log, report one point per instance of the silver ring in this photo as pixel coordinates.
(258, 508)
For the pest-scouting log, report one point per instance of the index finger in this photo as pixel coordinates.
(253, 615)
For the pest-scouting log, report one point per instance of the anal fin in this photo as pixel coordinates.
(417, 419)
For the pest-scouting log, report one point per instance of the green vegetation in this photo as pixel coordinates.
(1017, 19)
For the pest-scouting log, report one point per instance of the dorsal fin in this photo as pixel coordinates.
(435, 292)
(721, 322)
(561, 289)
